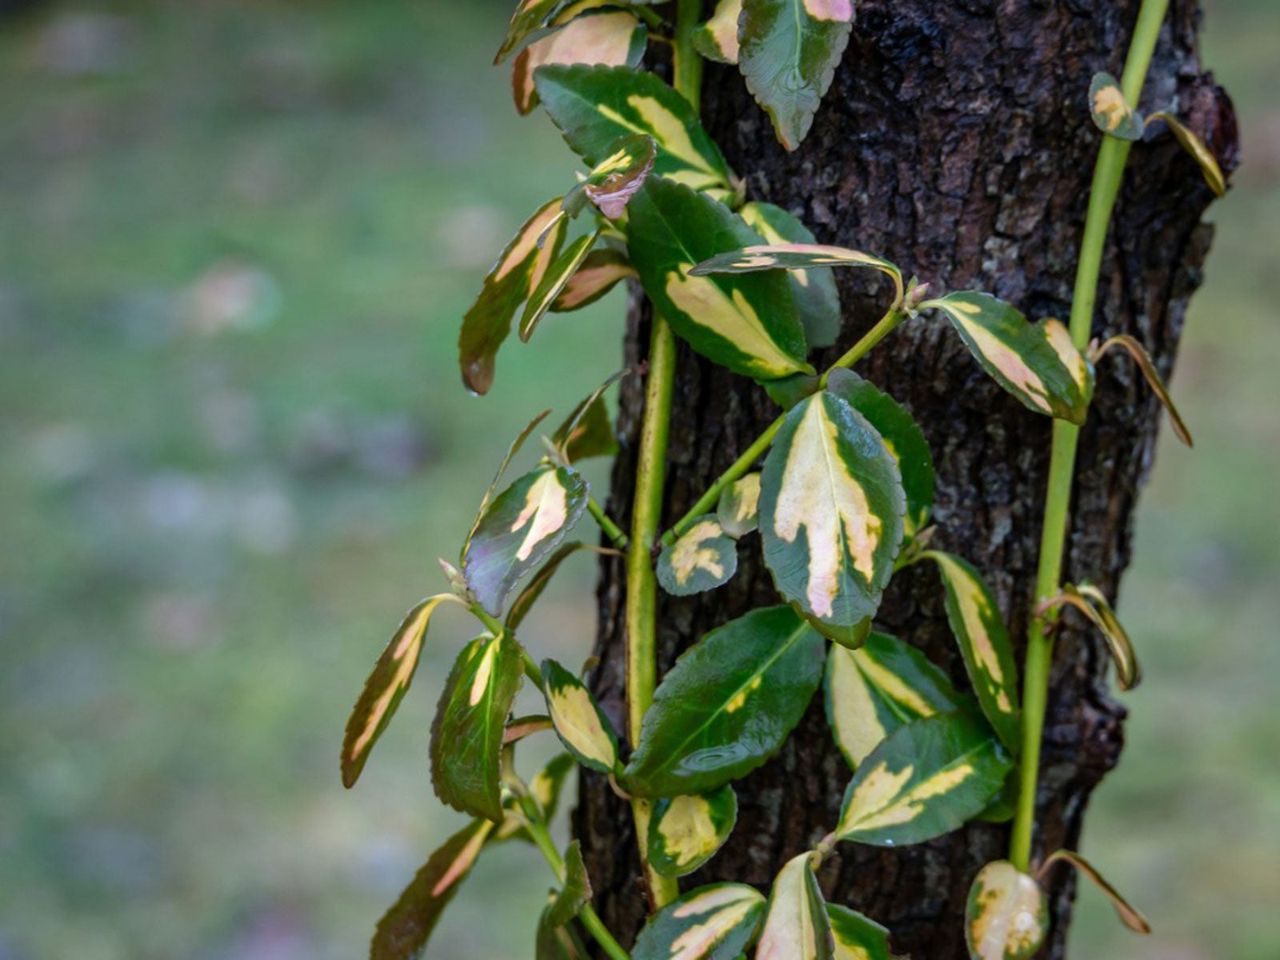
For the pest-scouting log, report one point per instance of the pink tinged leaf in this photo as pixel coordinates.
(835, 10)
(608, 38)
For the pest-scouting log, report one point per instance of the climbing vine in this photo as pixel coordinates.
(839, 489)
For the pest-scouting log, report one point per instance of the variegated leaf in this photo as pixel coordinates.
(874, 690)
(520, 529)
(984, 644)
(452, 572)
(927, 778)
(788, 54)
(404, 930)
(1202, 155)
(580, 723)
(813, 289)
(1143, 359)
(714, 922)
(1037, 363)
(529, 21)
(796, 256)
(1128, 914)
(520, 727)
(385, 687)
(717, 39)
(614, 180)
(594, 106)
(553, 282)
(588, 431)
(857, 937)
(744, 323)
(514, 277)
(739, 507)
(796, 926)
(1006, 917)
(595, 277)
(1093, 603)
(704, 558)
(532, 590)
(831, 511)
(613, 38)
(576, 891)
(466, 737)
(1112, 113)
(902, 436)
(686, 831)
(728, 703)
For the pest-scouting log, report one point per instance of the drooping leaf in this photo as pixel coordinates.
(613, 38)
(588, 431)
(817, 302)
(452, 572)
(385, 687)
(576, 891)
(1127, 913)
(514, 277)
(1006, 917)
(874, 690)
(788, 52)
(1093, 603)
(614, 180)
(739, 507)
(831, 511)
(404, 930)
(1202, 155)
(901, 435)
(553, 282)
(717, 39)
(595, 277)
(727, 704)
(796, 256)
(857, 937)
(702, 559)
(744, 323)
(686, 831)
(466, 737)
(984, 644)
(1037, 363)
(796, 926)
(1143, 359)
(520, 529)
(714, 922)
(594, 106)
(926, 778)
(1112, 113)
(580, 723)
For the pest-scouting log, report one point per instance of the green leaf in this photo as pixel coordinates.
(796, 926)
(545, 788)
(404, 930)
(727, 705)
(1037, 363)
(557, 942)
(1191, 143)
(789, 391)
(744, 323)
(580, 723)
(685, 832)
(714, 922)
(874, 690)
(1093, 603)
(1111, 112)
(739, 507)
(594, 106)
(926, 778)
(528, 596)
(553, 282)
(1127, 913)
(796, 256)
(508, 285)
(588, 431)
(831, 511)
(717, 39)
(984, 644)
(901, 435)
(595, 277)
(1006, 917)
(857, 937)
(614, 180)
(466, 737)
(614, 38)
(1143, 359)
(385, 687)
(814, 290)
(702, 559)
(576, 892)
(788, 54)
(520, 529)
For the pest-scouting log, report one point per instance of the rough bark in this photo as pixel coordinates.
(955, 141)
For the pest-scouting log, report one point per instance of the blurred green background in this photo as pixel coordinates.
(235, 242)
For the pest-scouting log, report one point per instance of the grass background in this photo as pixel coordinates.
(235, 242)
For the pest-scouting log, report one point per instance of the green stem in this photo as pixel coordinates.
(605, 523)
(495, 627)
(1107, 175)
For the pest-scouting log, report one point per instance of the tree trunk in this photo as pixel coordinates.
(955, 141)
